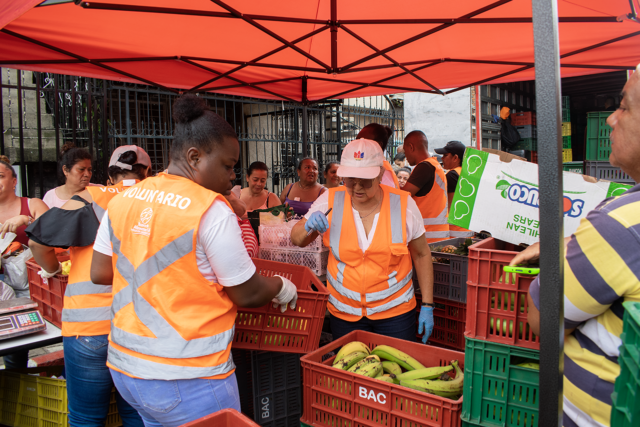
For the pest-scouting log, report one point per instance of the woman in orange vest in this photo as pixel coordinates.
(374, 232)
(381, 134)
(86, 306)
(172, 250)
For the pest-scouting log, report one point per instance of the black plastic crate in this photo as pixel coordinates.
(270, 388)
(450, 280)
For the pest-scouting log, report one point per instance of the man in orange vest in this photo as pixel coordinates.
(452, 155)
(428, 186)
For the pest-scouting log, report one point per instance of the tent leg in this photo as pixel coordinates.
(305, 119)
(548, 108)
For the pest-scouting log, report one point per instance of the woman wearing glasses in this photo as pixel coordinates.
(374, 232)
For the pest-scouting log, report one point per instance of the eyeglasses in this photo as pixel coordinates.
(364, 183)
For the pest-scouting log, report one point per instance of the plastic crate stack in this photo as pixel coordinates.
(28, 400)
(501, 381)
(596, 155)
(567, 152)
(525, 123)
(449, 296)
(276, 245)
(625, 408)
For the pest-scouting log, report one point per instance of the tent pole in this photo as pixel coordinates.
(548, 108)
(305, 119)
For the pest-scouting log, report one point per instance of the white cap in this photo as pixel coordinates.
(361, 158)
(143, 157)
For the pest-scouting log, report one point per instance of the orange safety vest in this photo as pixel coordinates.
(377, 283)
(434, 206)
(87, 306)
(454, 230)
(169, 321)
(387, 167)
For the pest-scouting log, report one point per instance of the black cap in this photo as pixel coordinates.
(453, 147)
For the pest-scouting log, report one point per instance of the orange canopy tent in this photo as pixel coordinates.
(310, 50)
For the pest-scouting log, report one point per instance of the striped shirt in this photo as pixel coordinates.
(601, 271)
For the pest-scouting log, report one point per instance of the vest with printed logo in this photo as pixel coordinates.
(169, 321)
(377, 283)
(87, 306)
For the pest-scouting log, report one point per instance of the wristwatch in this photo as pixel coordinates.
(428, 304)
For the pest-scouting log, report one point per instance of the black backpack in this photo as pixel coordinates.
(508, 134)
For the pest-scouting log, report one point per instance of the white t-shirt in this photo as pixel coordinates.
(414, 225)
(52, 200)
(220, 251)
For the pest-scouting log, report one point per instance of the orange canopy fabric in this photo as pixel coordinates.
(313, 49)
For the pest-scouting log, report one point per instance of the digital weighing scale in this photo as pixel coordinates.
(19, 316)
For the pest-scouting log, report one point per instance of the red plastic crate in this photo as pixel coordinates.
(266, 328)
(495, 297)
(223, 418)
(449, 318)
(48, 293)
(336, 398)
(523, 118)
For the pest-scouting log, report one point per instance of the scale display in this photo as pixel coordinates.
(22, 323)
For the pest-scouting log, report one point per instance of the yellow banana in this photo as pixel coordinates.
(371, 370)
(386, 378)
(449, 389)
(391, 368)
(530, 365)
(367, 360)
(349, 360)
(353, 346)
(394, 355)
(424, 374)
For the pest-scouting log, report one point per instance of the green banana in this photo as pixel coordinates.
(349, 360)
(449, 389)
(386, 378)
(394, 355)
(352, 347)
(367, 360)
(424, 374)
(371, 370)
(391, 368)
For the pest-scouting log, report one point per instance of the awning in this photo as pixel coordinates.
(310, 50)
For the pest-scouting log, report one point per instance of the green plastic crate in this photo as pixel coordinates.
(528, 144)
(575, 167)
(566, 141)
(625, 408)
(566, 115)
(566, 102)
(598, 131)
(496, 391)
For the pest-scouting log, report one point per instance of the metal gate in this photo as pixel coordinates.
(42, 111)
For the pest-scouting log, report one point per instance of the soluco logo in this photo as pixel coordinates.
(371, 395)
(525, 195)
(265, 407)
(358, 155)
(143, 224)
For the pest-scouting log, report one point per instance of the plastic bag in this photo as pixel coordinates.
(508, 134)
(15, 272)
(6, 292)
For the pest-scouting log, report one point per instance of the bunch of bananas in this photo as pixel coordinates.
(391, 365)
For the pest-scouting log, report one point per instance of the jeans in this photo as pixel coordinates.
(176, 402)
(89, 383)
(403, 326)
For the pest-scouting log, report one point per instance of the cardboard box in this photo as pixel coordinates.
(498, 192)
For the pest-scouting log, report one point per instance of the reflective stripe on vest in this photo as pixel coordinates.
(148, 369)
(168, 342)
(436, 234)
(434, 206)
(442, 216)
(336, 278)
(87, 306)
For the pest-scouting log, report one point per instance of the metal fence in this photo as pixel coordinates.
(42, 111)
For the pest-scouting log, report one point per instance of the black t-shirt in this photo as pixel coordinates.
(423, 176)
(452, 181)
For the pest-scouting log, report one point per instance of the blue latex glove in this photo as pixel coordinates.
(317, 222)
(425, 323)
